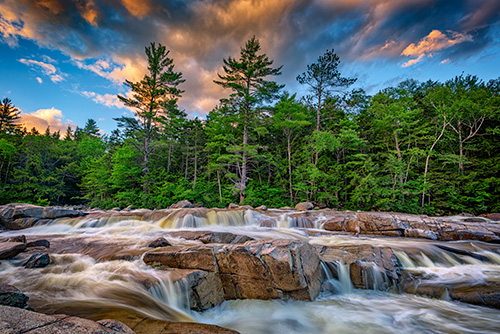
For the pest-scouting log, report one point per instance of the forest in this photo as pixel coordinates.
(417, 147)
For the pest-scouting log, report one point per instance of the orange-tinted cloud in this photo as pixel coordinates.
(137, 8)
(435, 41)
(43, 118)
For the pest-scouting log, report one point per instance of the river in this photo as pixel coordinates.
(77, 284)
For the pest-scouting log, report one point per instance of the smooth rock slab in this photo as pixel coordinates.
(16, 320)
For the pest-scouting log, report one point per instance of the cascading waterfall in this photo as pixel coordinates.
(76, 284)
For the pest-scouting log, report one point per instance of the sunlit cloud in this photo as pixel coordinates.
(108, 100)
(434, 42)
(47, 69)
(44, 118)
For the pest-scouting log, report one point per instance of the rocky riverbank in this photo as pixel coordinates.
(264, 262)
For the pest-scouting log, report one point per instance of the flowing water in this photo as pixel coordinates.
(78, 284)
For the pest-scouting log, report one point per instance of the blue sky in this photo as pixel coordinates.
(64, 61)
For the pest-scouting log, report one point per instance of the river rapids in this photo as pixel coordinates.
(85, 284)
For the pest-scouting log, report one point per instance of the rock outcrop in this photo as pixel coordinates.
(259, 269)
(16, 216)
(413, 226)
(182, 205)
(15, 320)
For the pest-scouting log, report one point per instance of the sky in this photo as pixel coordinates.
(64, 61)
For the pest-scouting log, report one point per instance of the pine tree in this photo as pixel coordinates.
(155, 102)
(246, 78)
(9, 116)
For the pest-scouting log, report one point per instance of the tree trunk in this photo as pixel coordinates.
(244, 162)
(289, 166)
(428, 158)
(220, 189)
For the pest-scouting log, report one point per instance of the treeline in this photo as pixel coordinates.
(431, 147)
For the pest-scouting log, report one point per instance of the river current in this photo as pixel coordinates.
(77, 284)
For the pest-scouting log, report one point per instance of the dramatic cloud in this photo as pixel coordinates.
(47, 69)
(107, 37)
(43, 118)
(435, 41)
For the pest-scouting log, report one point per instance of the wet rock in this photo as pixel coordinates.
(233, 206)
(257, 269)
(17, 216)
(18, 238)
(35, 257)
(10, 249)
(286, 208)
(223, 238)
(268, 223)
(261, 207)
(12, 296)
(160, 242)
(205, 290)
(38, 243)
(16, 320)
(370, 266)
(430, 285)
(334, 224)
(304, 206)
(495, 216)
(116, 326)
(198, 257)
(142, 325)
(185, 204)
(263, 269)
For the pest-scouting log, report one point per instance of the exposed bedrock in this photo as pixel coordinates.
(414, 226)
(259, 269)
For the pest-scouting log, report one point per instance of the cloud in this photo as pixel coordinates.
(47, 69)
(108, 100)
(434, 42)
(40, 81)
(107, 37)
(43, 118)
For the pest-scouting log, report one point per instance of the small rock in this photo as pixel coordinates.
(10, 249)
(262, 207)
(17, 238)
(233, 206)
(38, 258)
(12, 296)
(304, 206)
(38, 243)
(185, 204)
(160, 242)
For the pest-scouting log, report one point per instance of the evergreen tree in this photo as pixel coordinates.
(246, 78)
(9, 116)
(154, 99)
(323, 78)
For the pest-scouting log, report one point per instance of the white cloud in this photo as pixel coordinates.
(39, 80)
(47, 69)
(108, 100)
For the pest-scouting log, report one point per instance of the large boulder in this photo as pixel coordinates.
(258, 269)
(304, 206)
(185, 204)
(370, 267)
(16, 320)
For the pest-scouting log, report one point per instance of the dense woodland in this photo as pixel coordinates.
(431, 147)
